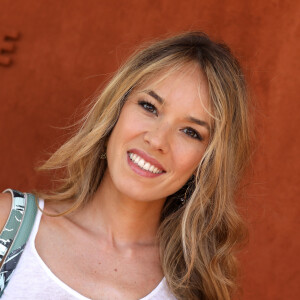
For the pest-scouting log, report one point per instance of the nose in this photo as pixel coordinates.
(158, 137)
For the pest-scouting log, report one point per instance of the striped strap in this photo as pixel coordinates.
(15, 233)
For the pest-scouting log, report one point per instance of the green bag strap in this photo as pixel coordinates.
(15, 233)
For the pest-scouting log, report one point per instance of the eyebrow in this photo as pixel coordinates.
(155, 96)
(199, 122)
(190, 119)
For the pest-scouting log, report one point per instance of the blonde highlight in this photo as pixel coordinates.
(198, 239)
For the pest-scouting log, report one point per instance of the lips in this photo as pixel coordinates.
(143, 164)
(147, 158)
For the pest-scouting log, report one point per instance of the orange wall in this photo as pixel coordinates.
(68, 48)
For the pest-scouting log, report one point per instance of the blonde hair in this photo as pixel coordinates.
(197, 240)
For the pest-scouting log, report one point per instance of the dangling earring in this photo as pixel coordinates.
(103, 156)
(182, 201)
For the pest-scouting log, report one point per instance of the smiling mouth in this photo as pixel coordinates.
(144, 165)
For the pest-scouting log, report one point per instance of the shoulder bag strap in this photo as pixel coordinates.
(15, 234)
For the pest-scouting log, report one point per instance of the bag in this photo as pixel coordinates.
(15, 233)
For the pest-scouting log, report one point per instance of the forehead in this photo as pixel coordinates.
(186, 84)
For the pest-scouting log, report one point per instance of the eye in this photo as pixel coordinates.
(192, 133)
(148, 107)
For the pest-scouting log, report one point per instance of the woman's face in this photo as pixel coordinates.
(161, 136)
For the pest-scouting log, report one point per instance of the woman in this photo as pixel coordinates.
(146, 202)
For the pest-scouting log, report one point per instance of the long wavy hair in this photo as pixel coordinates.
(197, 238)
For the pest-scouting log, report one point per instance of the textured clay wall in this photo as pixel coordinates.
(67, 49)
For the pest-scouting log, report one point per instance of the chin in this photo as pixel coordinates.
(138, 192)
(140, 196)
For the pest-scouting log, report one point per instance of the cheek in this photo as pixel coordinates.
(187, 160)
(124, 129)
(184, 169)
(130, 123)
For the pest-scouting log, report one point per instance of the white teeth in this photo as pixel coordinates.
(141, 163)
(144, 165)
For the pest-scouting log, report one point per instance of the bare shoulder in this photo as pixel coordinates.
(5, 206)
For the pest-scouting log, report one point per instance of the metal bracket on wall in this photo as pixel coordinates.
(7, 45)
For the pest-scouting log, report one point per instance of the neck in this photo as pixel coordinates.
(124, 221)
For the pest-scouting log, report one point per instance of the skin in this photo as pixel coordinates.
(114, 251)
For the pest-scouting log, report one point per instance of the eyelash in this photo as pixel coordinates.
(149, 107)
(194, 135)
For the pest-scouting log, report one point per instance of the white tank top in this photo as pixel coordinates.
(32, 279)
